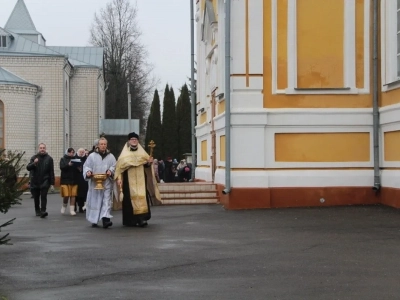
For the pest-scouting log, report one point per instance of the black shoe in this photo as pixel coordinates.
(44, 214)
(38, 213)
(81, 210)
(94, 225)
(106, 222)
(142, 223)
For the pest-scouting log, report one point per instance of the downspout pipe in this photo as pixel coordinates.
(375, 91)
(227, 97)
(37, 96)
(193, 90)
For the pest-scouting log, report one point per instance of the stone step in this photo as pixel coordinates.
(190, 201)
(168, 187)
(188, 193)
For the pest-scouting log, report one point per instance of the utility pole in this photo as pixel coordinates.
(129, 107)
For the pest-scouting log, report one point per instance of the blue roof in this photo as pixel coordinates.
(20, 19)
(20, 44)
(7, 77)
(88, 56)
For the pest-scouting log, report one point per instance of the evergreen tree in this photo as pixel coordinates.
(10, 188)
(183, 113)
(169, 124)
(154, 128)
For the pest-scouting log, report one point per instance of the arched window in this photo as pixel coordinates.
(1, 124)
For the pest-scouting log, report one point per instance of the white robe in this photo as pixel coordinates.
(99, 202)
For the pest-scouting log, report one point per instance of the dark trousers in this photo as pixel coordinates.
(80, 201)
(40, 198)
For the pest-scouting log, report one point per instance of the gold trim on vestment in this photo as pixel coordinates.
(133, 162)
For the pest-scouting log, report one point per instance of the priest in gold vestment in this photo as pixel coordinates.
(135, 178)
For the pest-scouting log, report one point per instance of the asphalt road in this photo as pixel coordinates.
(204, 252)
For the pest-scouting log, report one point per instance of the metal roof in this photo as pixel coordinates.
(23, 45)
(89, 56)
(119, 126)
(20, 19)
(7, 77)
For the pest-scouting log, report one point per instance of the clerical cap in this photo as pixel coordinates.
(133, 135)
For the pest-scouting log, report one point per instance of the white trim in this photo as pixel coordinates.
(367, 7)
(274, 46)
(349, 44)
(301, 178)
(292, 44)
(389, 48)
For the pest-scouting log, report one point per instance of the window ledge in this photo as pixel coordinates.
(321, 91)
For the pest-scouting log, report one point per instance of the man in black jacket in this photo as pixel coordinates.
(41, 169)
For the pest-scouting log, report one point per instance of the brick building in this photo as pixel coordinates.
(48, 94)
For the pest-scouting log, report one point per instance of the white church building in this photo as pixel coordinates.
(49, 94)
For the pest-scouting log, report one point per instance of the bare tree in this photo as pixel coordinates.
(115, 28)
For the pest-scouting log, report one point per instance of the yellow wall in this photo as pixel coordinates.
(322, 147)
(390, 97)
(392, 145)
(220, 107)
(204, 155)
(360, 43)
(320, 54)
(320, 44)
(203, 118)
(222, 148)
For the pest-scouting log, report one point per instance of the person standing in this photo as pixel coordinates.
(135, 177)
(82, 183)
(98, 202)
(41, 168)
(68, 181)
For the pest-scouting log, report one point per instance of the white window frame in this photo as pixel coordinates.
(349, 50)
(389, 75)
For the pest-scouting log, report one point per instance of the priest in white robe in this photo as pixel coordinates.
(99, 201)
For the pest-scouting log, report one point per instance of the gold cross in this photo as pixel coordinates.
(151, 146)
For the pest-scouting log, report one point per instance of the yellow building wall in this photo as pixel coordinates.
(222, 148)
(204, 155)
(360, 43)
(392, 146)
(203, 118)
(320, 44)
(220, 107)
(322, 147)
(320, 30)
(390, 97)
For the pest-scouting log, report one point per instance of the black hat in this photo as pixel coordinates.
(132, 135)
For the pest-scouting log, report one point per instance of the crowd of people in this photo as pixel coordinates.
(131, 179)
(172, 171)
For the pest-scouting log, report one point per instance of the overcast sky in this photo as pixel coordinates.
(165, 27)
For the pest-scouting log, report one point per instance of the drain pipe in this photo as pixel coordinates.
(227, 97)
(37, 96)
(375, 107)
(193, 91)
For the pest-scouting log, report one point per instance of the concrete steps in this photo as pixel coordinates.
(189, 193)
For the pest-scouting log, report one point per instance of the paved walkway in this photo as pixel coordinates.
(204, 252)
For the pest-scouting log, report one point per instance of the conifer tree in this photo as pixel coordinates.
(154, 129)
(169, 124)
(10, 188)
(184, 121)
